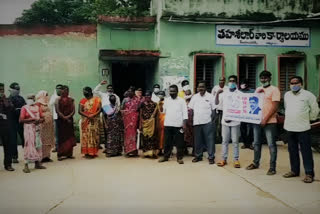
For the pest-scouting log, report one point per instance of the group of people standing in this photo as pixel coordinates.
(155, 123)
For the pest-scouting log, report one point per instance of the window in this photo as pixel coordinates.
(208, 68)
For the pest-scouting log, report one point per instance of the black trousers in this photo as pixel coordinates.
(173, 136)
(16, 129)
(7, 148)
(302, 140)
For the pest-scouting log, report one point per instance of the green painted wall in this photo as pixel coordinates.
(123, 38)
(178, 40)
(39, 62)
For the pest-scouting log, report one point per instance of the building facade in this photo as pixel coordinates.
(182, 39)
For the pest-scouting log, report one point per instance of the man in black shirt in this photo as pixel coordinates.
(5, 108)
(16, 127)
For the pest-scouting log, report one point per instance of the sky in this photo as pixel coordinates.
(11, 9)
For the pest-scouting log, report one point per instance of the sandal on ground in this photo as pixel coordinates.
(290, 175)
(308, 179)
(26, 170)
(222, 163)
(236, 164)
(271, 172)
(252, 166)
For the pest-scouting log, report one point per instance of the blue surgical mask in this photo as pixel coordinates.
(295, 88)
(232, 85)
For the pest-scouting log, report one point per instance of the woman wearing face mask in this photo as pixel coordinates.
(65, 110)
(31, 117)
(129, 110)
(147, 126)
(160, 121)
(156, 89)
(185, 86)
(47, 127)
(89, 109)
(138, 94)
(114, 129)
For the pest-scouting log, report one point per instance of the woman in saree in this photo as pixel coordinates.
(147, 126)
(31, 117)
(65, 109)
(89, 109)
(46, 128)
(160, 121)
(130, 113)
(114, 128)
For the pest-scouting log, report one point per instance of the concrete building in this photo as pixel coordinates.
(182, 39)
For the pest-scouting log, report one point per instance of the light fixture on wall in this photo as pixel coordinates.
(105, 72)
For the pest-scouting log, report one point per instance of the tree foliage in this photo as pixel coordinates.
(53, 12)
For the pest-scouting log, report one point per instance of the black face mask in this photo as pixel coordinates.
(112, 101)
(87, 94)
(173, 96)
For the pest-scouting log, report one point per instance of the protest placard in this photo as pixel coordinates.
(243, 107)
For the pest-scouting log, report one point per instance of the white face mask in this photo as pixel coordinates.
(243, 86)
(186, 97)
(186, 87)
(29, 102)
(156, 90)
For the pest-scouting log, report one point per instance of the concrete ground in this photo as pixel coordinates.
(137, 185)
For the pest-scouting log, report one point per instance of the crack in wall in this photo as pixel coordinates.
(264, 193)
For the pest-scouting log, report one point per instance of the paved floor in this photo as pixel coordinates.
(137, 185)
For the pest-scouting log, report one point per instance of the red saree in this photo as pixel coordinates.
(130, 121)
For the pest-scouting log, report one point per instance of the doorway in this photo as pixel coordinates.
(140, 74)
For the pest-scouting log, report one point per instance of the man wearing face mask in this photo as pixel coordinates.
(16, 128)
(300, 108)
(203, 107)
(268, 123)
(185, 86)
(156, 89)
(218, 112)
(5, 108)
(53, 98)
(246, 128)
(175, 109)
(105, 95)
(230, 129)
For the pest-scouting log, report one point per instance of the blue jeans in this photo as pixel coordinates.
(204, 136)
(233, 133)
(56, 133)
(270, 131)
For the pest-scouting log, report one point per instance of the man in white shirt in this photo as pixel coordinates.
(105, 101)
(230, 129)
(203, 107)
(300, 107)
(53, 98)
(176, 115)
(105, 95)
(219, 107)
